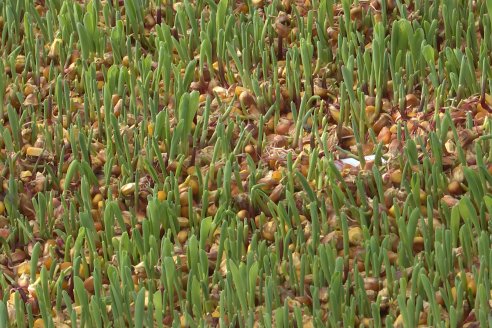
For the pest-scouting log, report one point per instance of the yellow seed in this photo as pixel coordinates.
(38, 323)
(82, 271)
(28, 89)
(471, 284)
(355, 236)
(391, 211)
(398, 322)
(191, 170)
(48, 262)
(161, 195)
(193, 184)
(335, 113)
(239, 89)
(472, 287)
(25, 176)
(276, 175)
(150, 129)
(249, 149)
(454, 293)
(126, 61)
(488, 99)
(423, 196)
(34, 151)
(97, 198)
(24, 268)
(396, 176)
(2, 207)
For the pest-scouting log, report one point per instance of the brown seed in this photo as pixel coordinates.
(276, 193)
(4, 233)
(183, 222)
(356, 13)
(33, 302)
(450, 201)
(283, 127)
(390, 4)
(384, 121)
(392, 257)
(149, 21)
(282, 25)
(247, 99)
(439, 298)
(98, 226)
(65, 265)
(182, 236)
(242, 214)
(18, 256)
(184, 211)
(118, 107)
(89, 284)
(418, 244)
(335, 237)
(332, 34)
(371, 283)
(454, 188)
(183, 198)
(389, 87)
(257, 221)
(20, 62)
(268, 230)
(319, 91)
(411, 100)
(211, 210)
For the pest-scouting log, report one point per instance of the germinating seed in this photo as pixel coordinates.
(245, 163)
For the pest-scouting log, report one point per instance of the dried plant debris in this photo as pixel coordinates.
(245, 164)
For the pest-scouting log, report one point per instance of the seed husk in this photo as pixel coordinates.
(128, 189)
